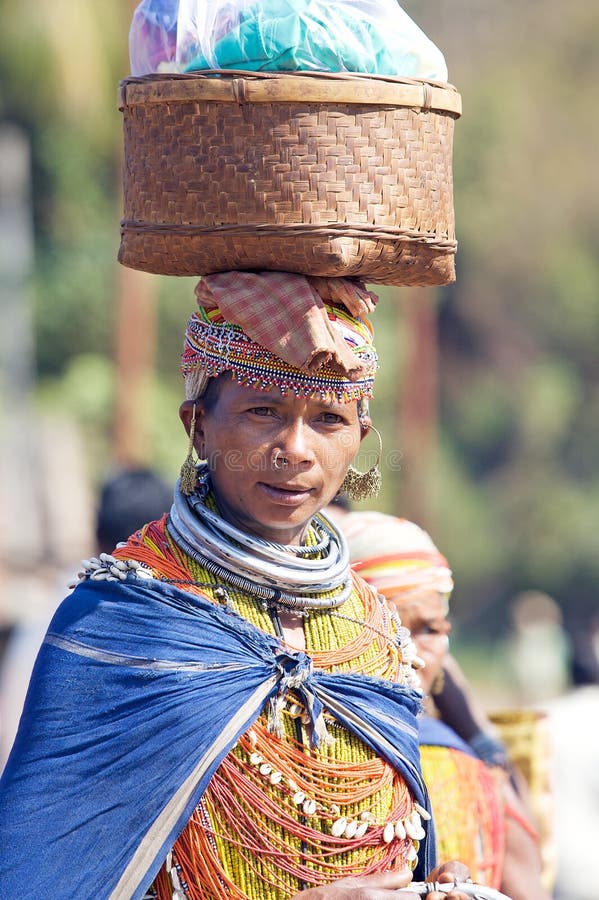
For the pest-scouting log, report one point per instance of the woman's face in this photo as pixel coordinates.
(426, 617)
(241, 431)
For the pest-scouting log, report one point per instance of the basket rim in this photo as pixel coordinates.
(242, 87)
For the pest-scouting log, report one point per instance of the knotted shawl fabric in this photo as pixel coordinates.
(139, 691)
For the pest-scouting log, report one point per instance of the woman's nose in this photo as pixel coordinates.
(295, 444)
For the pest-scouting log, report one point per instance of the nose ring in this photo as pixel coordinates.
(275, 459)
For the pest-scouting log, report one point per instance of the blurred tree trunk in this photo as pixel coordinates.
(134, 357)
(417, 424)
(21, 538)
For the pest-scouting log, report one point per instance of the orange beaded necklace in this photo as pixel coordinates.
(277, 814)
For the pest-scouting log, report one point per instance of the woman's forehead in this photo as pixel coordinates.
(428, 606)
(233, 390)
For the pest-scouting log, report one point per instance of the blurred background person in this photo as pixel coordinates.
(493, 835)
(128, 499)
(537, 647)
(573, 726)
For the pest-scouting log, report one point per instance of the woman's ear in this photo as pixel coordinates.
(191, 413)
(186, 414)
(365, 426)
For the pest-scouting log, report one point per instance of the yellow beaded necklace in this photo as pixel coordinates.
(278, 815)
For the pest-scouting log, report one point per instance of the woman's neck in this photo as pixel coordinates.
(287, 536)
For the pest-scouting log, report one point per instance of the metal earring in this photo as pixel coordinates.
(189, 473)
(438, 683)
(364, 485)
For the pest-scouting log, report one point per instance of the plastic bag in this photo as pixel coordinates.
(370, 36)
(153, 37)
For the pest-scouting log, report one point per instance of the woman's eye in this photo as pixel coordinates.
(262, 411)
(425, 630)
(331, 418)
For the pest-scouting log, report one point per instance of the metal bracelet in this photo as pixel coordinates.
(476, 891)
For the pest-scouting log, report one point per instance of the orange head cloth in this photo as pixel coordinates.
(394, 555)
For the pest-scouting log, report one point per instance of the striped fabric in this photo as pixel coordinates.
(394, 555)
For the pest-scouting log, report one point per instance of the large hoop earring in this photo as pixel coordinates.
(189, 473)
(364, 485)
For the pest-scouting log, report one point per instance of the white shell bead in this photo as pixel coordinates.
(265, 769)
(275, 777)
(143, 573)
(400, 831)
(362, 829)
(389, 832)
(338, 827)
(309, 807)
(351, 829)
(416, 832)
(292, 784)
(256, 759)
(299, 797)
(412, 854)
(422, 812)
(175, 879)
(334, 809)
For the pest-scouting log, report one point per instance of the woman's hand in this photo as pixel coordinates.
(384, 885)
(380, 886)
(449, 872)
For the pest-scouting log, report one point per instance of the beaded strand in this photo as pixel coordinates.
(254, 834)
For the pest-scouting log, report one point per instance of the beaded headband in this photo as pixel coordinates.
(213, 346)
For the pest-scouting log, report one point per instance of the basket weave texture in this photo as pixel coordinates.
(525, 733)
(347, 176)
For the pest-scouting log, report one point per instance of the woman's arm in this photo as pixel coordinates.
(521, 878)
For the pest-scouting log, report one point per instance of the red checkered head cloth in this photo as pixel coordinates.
(303, 335)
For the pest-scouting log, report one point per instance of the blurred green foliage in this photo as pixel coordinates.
(516, 482)
(519, 365)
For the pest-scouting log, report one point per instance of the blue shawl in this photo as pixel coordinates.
(435, 733)
(139, 691)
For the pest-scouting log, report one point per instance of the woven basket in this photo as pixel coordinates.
(525, 733)
(320, 174)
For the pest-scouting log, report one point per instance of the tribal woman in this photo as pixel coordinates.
(492, 834)
(221, 709)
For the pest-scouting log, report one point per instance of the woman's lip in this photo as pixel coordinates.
(288, 495)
